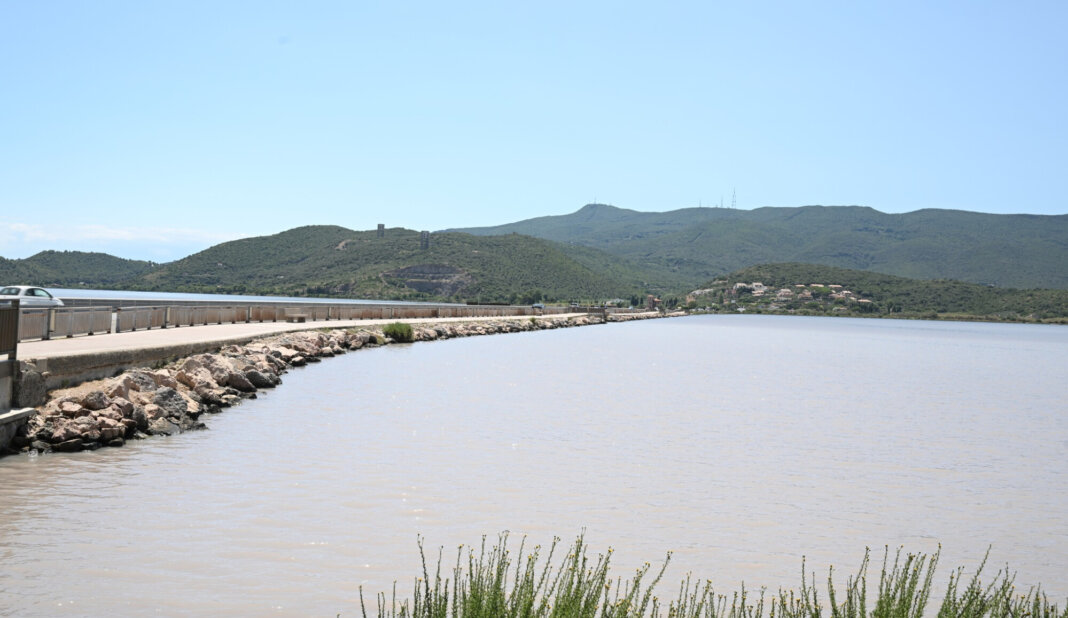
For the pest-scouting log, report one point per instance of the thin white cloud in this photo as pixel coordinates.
(34, 233)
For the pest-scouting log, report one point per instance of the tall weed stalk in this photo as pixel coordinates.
(492, 583)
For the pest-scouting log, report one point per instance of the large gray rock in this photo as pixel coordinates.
(63, 432)
(140, 419)
(112, 412)
(240, 382)
(110, 429)
(152, 412)
(124, 406)
(214, 365)
(71, 409)
(69, 446)
(96, 400)
(120, 387)
(209, 396)
(196, 376)
(171, 402)
(258, 379)
(162, 426)
(164, 379)
(142, 381)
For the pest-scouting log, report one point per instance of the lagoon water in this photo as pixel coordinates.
(740, 443)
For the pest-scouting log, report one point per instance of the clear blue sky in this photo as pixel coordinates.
(152, 130)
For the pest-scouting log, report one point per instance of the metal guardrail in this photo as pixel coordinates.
(34, 323)
(81, 321)
(46, 323)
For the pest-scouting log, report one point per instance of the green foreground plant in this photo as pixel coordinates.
(399, 332)
(493, 584)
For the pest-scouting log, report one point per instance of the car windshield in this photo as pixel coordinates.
(10, 291)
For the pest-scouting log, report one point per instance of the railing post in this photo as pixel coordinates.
(15, 343)
(50, 323)
(115, 320)
(9, 330)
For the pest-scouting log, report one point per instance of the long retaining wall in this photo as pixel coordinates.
(45, 323)
(7, 383)
(30, 324)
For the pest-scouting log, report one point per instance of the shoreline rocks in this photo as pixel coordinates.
(144, 402)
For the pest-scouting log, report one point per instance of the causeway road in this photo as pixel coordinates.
(222, 334)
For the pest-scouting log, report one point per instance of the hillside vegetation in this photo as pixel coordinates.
(875, 293)
(334, 261)
(925, 262)
(71, 269)
(1022, 251)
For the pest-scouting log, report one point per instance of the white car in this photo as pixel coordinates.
(29, 296)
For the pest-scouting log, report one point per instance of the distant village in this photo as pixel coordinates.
(747, 296)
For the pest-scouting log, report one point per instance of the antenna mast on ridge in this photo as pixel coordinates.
(734, 198)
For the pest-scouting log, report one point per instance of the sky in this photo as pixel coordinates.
(152, 130)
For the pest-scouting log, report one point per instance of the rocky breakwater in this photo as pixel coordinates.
(172, 399)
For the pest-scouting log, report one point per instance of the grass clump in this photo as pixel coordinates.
(399, 332)
(491, 583)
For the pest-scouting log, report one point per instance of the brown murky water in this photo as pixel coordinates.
(741, 443)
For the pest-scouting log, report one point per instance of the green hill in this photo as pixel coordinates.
(71, 269)
(1024, 251)
(603, 252)
(334, 261)
(878, 293)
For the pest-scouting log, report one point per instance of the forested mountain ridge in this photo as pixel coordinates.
(1023, 251)
(335, 261)
(71, 269)
(597, 253)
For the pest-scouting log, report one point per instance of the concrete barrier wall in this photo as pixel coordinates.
(42, 323)
(11, 421)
